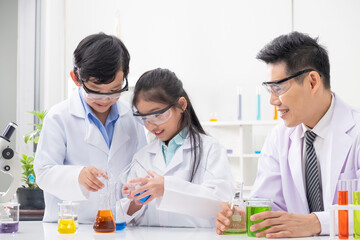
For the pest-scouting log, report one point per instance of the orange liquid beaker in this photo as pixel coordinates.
(104, 222)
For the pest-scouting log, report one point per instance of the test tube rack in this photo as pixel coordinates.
(333, 209)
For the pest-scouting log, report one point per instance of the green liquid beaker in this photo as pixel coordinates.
(253, 207)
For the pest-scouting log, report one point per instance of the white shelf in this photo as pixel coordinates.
(254, 155)
(239, 123)
(242, 138)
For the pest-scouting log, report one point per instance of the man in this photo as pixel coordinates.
(303, 158)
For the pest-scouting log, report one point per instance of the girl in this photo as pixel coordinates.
(188, 170)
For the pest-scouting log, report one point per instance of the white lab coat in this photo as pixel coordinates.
(280, 176)
(185, 204)
(69, 142)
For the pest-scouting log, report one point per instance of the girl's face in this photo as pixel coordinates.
(165, 125)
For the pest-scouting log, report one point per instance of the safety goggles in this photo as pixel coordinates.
(281, 86)
(156, 118)
(98, 96)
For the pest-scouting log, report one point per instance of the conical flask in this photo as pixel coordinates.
(104, 222)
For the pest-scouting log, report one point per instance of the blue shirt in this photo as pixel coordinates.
(108, 130)
(169, 150)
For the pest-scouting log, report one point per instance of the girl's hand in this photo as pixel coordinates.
(89, 178)
(154, 187)
(125, 190)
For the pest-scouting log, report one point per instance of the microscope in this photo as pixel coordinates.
(9, 163)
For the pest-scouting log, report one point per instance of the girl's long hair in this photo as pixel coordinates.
(162, 86)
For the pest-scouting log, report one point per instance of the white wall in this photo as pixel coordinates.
(337, 23)
(210, 45)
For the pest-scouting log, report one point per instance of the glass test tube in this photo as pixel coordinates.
(356, 201)
(343, 215)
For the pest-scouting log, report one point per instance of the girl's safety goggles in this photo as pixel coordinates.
(98, 96)
(156, 118)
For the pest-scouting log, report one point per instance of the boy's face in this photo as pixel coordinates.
(103, 105)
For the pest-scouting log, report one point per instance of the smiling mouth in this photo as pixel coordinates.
(157, 133)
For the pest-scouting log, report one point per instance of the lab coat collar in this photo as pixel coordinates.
(93, 135)
(342, 122)
(159, 163)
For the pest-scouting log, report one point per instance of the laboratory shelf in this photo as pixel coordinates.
(241, 139)
(239, 123)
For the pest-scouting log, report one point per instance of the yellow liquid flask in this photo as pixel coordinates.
(67, 226)
(67, 217)
(104, 221)
(238, 219)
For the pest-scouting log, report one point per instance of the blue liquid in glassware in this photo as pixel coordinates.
(9, 227)
(120, 226)
(143, 199)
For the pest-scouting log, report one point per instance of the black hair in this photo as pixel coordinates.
(163, 86)
(298, 51)
(100, 56)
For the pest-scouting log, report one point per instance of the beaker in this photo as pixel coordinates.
(104, 221)
(9, 217)
(238, 218)
(254, 206)
(343, 215)
(132, 171)
(356, 201)
(68, 217)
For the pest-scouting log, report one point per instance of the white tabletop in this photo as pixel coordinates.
(38, 231)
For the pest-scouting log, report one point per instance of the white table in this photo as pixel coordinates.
(38, 231)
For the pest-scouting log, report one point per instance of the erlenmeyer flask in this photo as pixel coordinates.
(104, 222)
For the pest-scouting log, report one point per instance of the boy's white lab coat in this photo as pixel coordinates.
(69, 142)
(185, 204)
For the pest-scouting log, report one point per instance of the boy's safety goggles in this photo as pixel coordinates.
(90, 94)
(281, 86)
(156, 118)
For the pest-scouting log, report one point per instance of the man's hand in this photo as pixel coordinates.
(222, 218)
(283, 224)
(88, 177)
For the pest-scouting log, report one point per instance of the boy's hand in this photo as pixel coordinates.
(89, 178)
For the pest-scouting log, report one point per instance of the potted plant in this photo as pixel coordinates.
(30, 196)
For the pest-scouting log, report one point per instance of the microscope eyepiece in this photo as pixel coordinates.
(9, 131)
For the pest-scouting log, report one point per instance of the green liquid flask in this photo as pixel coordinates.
(253, 207)
(238, 219)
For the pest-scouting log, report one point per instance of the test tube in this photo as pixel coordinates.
(343, 215)
(356, 202)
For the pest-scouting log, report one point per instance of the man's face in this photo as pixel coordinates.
(294, 105)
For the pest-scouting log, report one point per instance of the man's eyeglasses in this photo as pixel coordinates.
(281, 86)
(102, 96)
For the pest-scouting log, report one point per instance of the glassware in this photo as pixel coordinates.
(356, 201)
(68, 217)
(9, 217)
(134, 170)
(343, 215)
(104, 222)
(254, 206)
(238, 219)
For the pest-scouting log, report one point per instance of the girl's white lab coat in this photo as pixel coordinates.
(69, 142)
(185, 204)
